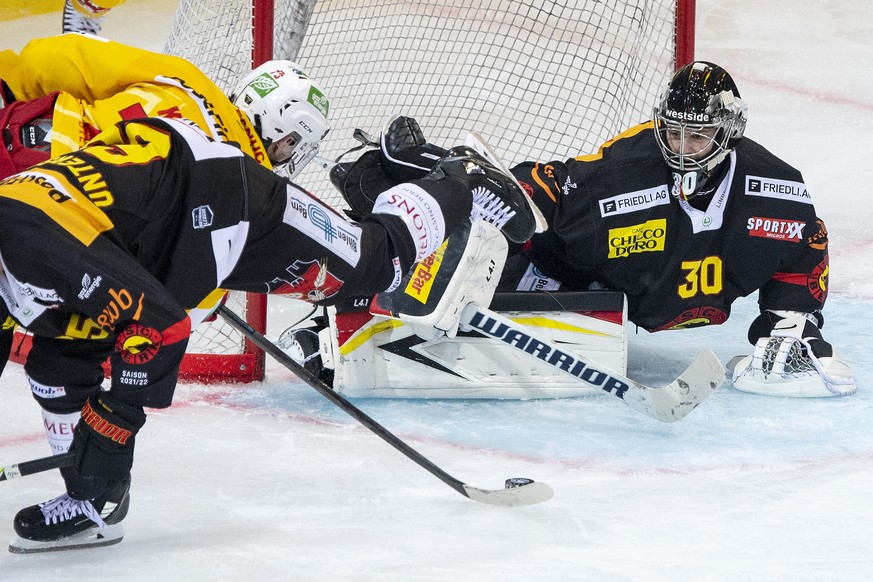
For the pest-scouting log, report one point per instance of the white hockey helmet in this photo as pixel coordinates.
(289, 113)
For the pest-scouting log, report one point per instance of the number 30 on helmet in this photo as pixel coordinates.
(289, 113)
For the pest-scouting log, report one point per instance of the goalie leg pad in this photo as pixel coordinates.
(464, 269)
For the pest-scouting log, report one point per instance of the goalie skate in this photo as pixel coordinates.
(478, 143)
(64, 523)
(498, 198)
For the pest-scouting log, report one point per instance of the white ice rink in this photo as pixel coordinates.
(271, 482)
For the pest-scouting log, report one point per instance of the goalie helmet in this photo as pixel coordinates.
(289, 113)
(698, 120)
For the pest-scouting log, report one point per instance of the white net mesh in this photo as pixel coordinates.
(217, 337)
(539, 80)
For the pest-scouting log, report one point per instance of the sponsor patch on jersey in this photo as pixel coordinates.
(776, 228)
(323, 226)
(43, 391)
(633, 201)
(535, 280)
(202, 217)
(773, 188)
(639, 238)
(89, 285)
(120, 305)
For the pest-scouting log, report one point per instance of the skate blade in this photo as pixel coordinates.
(92, 538)
(478, 143)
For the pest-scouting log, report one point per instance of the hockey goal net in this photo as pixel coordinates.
(539, 79)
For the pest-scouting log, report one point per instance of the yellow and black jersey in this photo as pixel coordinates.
(99, 220)
(123, 240)
(97, 82)
(614, 222)
(194, 214)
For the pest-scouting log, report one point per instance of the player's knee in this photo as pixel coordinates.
(61, 398)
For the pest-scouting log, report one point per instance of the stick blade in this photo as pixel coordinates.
(685, 393)
(529, 494)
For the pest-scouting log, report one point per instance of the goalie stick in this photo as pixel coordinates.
(667, 404)
(518, 492)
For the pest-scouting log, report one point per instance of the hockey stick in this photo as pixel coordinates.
(36, 466)
(666, 404)
(518, 491)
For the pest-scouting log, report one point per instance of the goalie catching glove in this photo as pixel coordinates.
(792, 359)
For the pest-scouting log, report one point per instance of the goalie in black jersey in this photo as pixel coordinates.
(118, 250)
(683, 214)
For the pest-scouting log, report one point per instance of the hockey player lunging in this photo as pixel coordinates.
(154, 220)
(127, 237)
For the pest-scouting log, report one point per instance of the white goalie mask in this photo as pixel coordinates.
(289, 113)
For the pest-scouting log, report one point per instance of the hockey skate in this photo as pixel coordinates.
(498, 198)
(75, 21)
(64, 523)
(303, 346)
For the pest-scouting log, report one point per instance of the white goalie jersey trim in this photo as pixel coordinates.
(378, 357)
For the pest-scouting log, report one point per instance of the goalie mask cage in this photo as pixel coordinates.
(539, 79)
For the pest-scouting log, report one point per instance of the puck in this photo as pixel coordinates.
(514, 482)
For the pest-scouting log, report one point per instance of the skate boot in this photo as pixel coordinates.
(75, 21)
(64, 523)
(497, 197)
(303, 346)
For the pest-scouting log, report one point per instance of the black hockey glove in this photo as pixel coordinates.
(406, 154)
(103, 445)
(360, 182)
